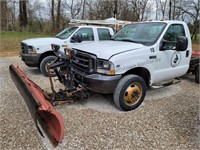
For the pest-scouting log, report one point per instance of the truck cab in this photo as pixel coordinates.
(139, 55)
(37, 52)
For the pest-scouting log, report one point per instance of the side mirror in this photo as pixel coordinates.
(167, 45)
(182, 43)
(76, 39)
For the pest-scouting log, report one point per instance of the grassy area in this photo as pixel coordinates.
(195, 43)
(196, 46)
(10, 41)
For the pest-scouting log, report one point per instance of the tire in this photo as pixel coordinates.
(197, 74)
(130, 92)
(43, 65)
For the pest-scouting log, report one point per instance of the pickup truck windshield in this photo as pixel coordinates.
(144, 33)
(66, 33)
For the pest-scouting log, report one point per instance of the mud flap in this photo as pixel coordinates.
(41, 110)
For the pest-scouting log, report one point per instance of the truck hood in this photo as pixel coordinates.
(37, 42)
(106, 49)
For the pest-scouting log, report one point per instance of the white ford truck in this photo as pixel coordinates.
(37, 52)
(136, 57)
(139, 55)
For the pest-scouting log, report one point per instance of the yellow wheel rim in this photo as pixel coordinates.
(133, 93)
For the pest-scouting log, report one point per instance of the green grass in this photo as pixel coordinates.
(10, 41)
(196, 43)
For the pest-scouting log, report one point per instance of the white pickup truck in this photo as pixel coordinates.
(139, 55)
(37, 52)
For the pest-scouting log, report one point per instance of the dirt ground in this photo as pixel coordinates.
(167, 119)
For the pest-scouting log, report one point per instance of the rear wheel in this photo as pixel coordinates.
(197, 74)
(130, 92)
(44, 65)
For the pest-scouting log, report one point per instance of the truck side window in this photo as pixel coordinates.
(103, 34)
(171, 35)
(86, 34)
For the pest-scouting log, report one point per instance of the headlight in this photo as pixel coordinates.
(105, 67)
(31, 50)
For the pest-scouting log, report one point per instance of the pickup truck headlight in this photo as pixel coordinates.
(105, 67)
(31, 50)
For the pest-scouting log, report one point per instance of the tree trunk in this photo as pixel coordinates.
(3, 15)
(25, 20)
(83, 12)
(52, 16)
(58, 16)
(174, 8)
(23, 14)
(115, 9)
(170, 9)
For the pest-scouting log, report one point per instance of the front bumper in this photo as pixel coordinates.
(97, 82)
(31, 60)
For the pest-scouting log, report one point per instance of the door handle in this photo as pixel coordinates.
(153, 57)
(187, 53)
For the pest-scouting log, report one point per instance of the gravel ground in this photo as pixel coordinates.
(167, 119)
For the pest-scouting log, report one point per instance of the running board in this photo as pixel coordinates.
(166, 83)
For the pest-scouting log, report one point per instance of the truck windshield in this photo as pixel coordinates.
(144, 33)
(66, 33)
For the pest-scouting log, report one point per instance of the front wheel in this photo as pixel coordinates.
(130, 92)
(44, 65)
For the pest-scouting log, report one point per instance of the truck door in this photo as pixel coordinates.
(173, 63)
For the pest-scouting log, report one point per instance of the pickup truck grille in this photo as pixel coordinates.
(24, 48)
(84, 62)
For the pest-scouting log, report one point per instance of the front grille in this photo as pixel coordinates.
(84, 62)
(24, 48)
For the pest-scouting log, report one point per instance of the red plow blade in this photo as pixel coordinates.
(41, 110)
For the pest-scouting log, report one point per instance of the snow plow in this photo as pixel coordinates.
(41, 110)
(41, 103)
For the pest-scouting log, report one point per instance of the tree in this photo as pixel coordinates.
(83, 11)
(74, 7)
(58, 16)
(23, 13)
(52, 15)
(3, 16)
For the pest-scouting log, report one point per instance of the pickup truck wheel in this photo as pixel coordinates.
(197, 74)
(45, 62)
(130, 92)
